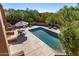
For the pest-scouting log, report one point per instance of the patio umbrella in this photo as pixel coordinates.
(21, 24)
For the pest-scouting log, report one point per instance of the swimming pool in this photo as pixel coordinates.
(48, 37)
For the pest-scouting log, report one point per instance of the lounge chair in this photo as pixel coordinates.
(9, 28)
(55, 28)
(20, 31)
(17, 53)
(9, 32)
(12, 39)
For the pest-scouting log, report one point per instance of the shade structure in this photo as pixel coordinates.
(21, 24)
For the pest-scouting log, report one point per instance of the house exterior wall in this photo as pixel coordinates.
(3, 42)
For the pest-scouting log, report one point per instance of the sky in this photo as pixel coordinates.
(41, 7)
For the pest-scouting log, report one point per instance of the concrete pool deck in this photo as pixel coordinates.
(33, 46)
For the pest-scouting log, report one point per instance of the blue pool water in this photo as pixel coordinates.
(48, 37)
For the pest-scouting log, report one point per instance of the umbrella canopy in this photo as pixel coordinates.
(21, 23)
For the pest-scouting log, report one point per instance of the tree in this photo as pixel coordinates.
(70, 39)
(10, 16)
(70, 30)
(30, 20)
